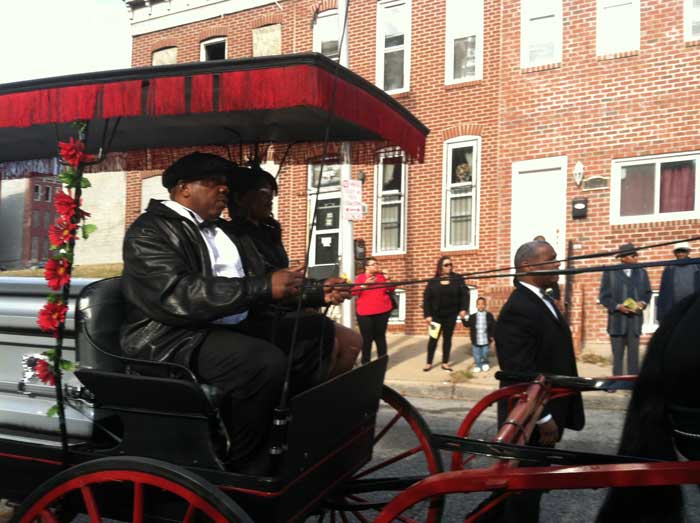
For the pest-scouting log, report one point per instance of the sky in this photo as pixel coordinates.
(41, 38)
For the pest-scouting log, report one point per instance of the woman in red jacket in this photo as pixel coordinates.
(373, 307)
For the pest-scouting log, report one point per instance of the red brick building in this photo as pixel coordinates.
(532, 104)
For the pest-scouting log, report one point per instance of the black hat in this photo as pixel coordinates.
(196, 166)
(626, 249)
(244, 179)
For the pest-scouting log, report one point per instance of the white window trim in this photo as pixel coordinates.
(381, 6)
(616, 170)
(377, 208)
(204, 43)
(316, 38)
(401, 318)
(37, 194)
(476, 187)
(525, 34)
(450, 37)
(688, 12)
(600, 51)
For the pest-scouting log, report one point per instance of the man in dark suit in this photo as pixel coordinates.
(625, 294)
(533, 336)
(677, 281)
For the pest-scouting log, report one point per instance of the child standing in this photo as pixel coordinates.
(481, 326)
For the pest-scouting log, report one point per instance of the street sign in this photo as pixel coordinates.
(351, 196)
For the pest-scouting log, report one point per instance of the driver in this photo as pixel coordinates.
(190, 287)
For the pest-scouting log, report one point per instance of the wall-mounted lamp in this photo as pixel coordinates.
(361, 176)
(578, 173)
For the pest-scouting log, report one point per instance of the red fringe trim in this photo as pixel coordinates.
(121, 99)
(166, 96)
(202, 94)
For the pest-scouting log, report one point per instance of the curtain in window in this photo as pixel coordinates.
(637, 190)
(677, 187)
(390, 227)
(460, 220)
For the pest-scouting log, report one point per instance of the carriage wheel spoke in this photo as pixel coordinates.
(344, 517)
(387, 428)
(90, 504)
(390, 461)
(189, 515)
(360, 517)
(137, 516)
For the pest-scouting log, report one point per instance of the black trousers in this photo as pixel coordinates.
(446, 330)
(249, 369)
(373, 329)
(618, 349)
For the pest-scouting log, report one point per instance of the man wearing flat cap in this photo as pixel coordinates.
(677, 281)
(625, 293)
(190, 288)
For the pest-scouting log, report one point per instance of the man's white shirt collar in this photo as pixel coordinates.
(538, 292)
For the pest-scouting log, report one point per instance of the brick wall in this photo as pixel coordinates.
(586, 108)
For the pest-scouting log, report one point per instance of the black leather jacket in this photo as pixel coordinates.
(173, 294)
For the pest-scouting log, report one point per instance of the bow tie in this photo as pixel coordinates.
(207, 225)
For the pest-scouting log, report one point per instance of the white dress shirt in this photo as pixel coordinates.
(223, 253)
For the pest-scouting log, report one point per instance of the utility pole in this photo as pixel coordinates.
(347, 248)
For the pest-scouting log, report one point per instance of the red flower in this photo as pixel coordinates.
(45, 372)
(65, 205)
(51, 316)
(56, 273)
(61, 232)
(73, 152)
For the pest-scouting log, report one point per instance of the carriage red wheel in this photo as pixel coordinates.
(139, 490)
(362, 497)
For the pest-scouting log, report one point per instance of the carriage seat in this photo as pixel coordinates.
(101, 311)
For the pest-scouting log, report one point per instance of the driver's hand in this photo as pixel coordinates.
(286, 283)
(335, 295)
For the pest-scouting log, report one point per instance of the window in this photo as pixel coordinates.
(464, 54)
(47, 194)
(47, 219)
(691, 18)
(35, 248)
(212, 49)
(37, 193)
(541, 34)
(617, 26)
(654, 189)
(327, 34)
(460, 182)
(390, 208)
(330, 177)
(398, 315)
(393, 45)
(267, 40)
(165, 56)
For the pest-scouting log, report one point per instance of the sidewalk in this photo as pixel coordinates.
(407, 358)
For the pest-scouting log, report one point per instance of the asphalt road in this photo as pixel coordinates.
(601, 435)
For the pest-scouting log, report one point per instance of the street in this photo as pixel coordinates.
(600, 435)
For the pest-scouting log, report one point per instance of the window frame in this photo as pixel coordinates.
(400, 317)
(616, 180)
(607, 50)
(215, 40)
(445, 230)
(526, 7)
(688, 11)
(403, 202)
(317, 42)
(37, 192)
(382, 6)
(452, 33)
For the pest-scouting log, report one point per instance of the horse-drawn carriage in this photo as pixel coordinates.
(148, 445)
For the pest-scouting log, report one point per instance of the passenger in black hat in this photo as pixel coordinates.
(251, 193)
(677, 281)
(625, 293)
(190, 288)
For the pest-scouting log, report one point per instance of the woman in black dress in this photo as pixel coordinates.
(445, 297)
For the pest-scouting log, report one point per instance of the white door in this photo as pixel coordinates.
(539, 203)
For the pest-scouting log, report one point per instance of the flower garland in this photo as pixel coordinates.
(70, 221)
